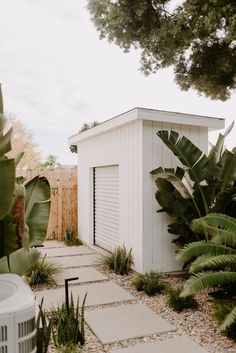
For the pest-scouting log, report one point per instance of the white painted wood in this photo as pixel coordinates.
(122, 147)
(106, 207)
(152, 115)
(130, 142)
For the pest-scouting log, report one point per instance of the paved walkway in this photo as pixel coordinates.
(126, 320)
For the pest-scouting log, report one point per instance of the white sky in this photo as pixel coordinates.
(56, 74)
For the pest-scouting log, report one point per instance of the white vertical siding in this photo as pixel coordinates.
(158, 250)
(123, 147)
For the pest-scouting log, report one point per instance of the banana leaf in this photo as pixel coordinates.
(176, 178)
(19, 261)
(37, 209)
(188, 154)
(7, 173)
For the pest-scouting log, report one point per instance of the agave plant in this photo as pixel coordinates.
(24, 210)
(203, 185)
(215, 259)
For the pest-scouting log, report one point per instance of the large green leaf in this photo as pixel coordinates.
(37, 209)
(213, 223)
(176, 178)
(207, 280)
(19, 261)
(227, 174)
(193, 159)
(37, 222)
(188, 154)
(8, 239)
(37, 190)
(229, 320)
(213, 168)
(219, 262)
(7, 185)
(224, 200)
(200, 248)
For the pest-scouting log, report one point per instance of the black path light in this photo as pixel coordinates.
(67, 290)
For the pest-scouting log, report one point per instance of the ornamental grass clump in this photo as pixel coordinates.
(70, 239)
(43, 272)
(68, 324)
(119, 261)
(149, 282)
(178, 303)
(44, 329)
(222, 309)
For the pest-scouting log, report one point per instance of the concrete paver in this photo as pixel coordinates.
(67, 251)
(116, 324)
(183, 344)
(76, 260)
(53, 244)
(98, 294)
(85, 274)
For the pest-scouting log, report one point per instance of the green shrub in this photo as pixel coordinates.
(44, 328)
(150, 283)
(178, 303)
(70, 239)
(43, 272)
(120, 260)
(222, 309)
(68, 324)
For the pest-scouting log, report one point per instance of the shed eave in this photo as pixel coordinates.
(212, 123)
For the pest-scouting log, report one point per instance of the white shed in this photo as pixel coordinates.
(117, 202)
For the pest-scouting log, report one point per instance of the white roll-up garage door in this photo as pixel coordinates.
(106, 207)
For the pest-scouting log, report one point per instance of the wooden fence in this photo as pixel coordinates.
(63, 214)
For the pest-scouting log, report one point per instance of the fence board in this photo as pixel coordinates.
(63, 213)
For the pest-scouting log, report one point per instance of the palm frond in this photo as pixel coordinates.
(207, 280)
(203, 247)
(225, 238)
(220, 262)
(217, 220)
(229, 320)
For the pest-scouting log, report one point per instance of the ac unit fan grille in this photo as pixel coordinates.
(26, 327)
(28, 345)
(3, 333)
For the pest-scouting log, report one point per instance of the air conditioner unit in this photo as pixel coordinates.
(17, 316)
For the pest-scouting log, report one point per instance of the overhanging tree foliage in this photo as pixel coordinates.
(197, 37)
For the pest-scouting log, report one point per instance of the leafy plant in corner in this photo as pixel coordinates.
(24, 210)
(69, 323)
(223, 308)
(214, 263)
(43, 271)
(202, 186)
(149, 282)
(178, 303)
(70, 239)
(120, 260)
(44, 328)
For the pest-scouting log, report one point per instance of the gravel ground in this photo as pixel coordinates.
(196, 323)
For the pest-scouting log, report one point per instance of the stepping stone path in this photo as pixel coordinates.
(85, 274)
(183, 344)
(110, 324)
(124, 322)
(76, 261)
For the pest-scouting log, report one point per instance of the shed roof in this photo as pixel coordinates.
(212, 123)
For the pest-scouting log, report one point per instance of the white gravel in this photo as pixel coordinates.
(198, 323)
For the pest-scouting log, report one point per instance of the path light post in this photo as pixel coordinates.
(67, 290)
